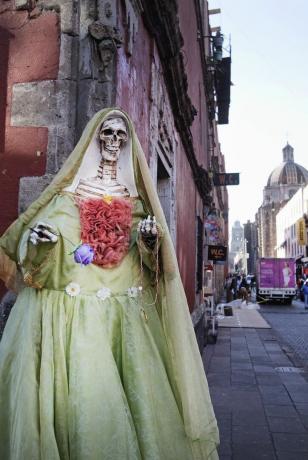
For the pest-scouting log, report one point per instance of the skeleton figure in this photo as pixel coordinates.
(112, 136)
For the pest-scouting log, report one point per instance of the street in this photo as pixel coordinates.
(258, 380)
(290, 323)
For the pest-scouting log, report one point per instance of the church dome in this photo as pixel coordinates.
(288, 172)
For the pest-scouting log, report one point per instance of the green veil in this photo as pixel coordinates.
(192, 389)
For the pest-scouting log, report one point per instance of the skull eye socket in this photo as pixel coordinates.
(107, 132)
(122, 135)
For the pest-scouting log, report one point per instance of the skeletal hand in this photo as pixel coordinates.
(147, 228)
(43, 233)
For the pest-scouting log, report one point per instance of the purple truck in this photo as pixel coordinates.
(276, 280)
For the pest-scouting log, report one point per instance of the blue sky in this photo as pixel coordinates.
(269, 99)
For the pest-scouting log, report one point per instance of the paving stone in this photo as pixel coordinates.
(268, 379)
(288, 378)
(220, 361)
(221, 378)
(249, 418)
(261, 361)
(287, 442)
(243, 376)
(243, 452)
(291, 456)
(304, 419)
(298, 392)
(241, 365)
(286, 425)
(280, 411)
(239, 355)
(280, 359)
(251, 435)
(268, 369)
(302, 408)
(274, 394)
(272, 346)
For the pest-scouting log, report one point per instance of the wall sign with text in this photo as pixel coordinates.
(217, 253)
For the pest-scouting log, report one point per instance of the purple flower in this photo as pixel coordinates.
(84, 254)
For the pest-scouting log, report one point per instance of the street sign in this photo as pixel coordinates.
(223, 179)
(217, 253)
(301, 232)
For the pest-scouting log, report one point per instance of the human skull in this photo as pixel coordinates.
(113, 134)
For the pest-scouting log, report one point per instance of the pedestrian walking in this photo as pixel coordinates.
(234, 287)
(228, 287)
(244, 290)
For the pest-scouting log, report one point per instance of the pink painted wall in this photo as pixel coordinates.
(133, 82)
(191, 51)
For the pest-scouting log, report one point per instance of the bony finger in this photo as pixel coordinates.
(50, 236)
(44, 240)
(43, 225)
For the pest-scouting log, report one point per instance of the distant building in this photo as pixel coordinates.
(251, 237)
(282, 184)
(291, 226)
(236, 246)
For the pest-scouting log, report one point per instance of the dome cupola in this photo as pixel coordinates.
(288, 172)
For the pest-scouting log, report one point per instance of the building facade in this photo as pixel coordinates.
(291, 225)
(251, 237)
(282, 184)
(236, 247)
(65, 60)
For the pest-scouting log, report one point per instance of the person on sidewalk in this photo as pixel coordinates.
(244, 290)
(305, 291)
(228, 288)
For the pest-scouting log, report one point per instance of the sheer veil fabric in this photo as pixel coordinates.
(191, 391)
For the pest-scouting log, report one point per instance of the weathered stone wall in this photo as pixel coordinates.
(75, 57)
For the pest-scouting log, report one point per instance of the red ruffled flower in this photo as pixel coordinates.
(106, 228)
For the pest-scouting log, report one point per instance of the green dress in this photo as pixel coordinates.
(86, 375)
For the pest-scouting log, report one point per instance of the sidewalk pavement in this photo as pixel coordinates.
(259, 396)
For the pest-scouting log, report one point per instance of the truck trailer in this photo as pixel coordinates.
(276, 280)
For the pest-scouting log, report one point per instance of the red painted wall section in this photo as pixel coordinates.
(191, 52)
(186, 236)
(31, 53)
(133, 82)
(133, 91)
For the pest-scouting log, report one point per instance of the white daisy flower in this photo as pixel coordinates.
(103, 293)
(72, 289)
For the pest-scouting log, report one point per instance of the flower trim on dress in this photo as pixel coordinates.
(106, 228)
(134, 291)
(73, 289)
(103, 293)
